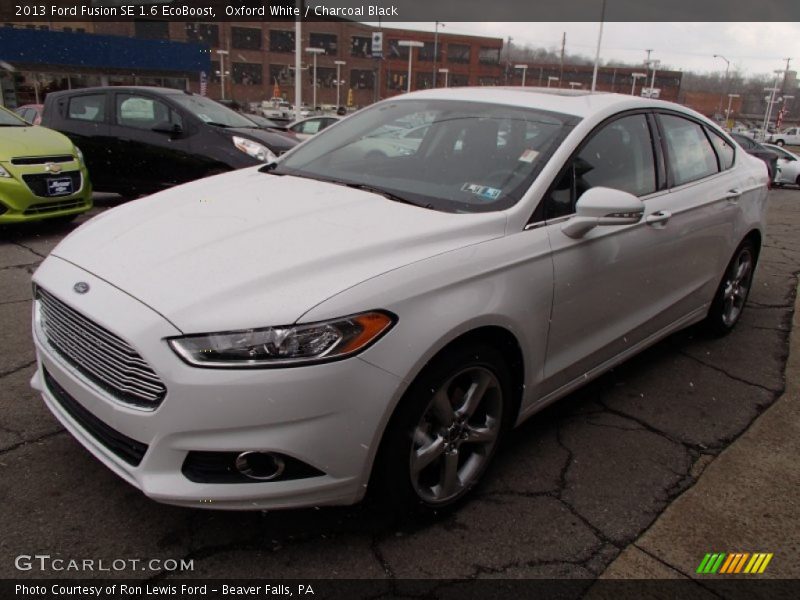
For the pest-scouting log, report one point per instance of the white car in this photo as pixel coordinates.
(295, 334)
(788, 167)
(788, 137)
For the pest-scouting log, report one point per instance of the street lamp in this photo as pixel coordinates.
(222, 72)
(338, 64)
(445, 71)
(410, 44)
(771, 100)
(636, 76)
(727, 66)
(655, 64)
(436, 49)
(728, 112)
(551, 79)
(314, 52)
(524, 70)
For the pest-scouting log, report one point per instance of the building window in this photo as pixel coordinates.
(203, 33)
(424, 81)
(427, 52)
(488, 80)
(247, 73)
(361, 46)
(361, 79)
(151, 30)
(395, 50)
(326, 41)
(281, 41)
(458, 53)
(281, 74)
(489, 56)
(326, 76)
(457, 80)
(246, 38)
(396, 80)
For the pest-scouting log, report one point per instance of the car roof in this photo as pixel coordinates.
(122, 88)
(579, 103)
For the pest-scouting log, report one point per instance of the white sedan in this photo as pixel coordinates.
(788, 166)
(296, 334)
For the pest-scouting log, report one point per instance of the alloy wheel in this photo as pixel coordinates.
(737, 287)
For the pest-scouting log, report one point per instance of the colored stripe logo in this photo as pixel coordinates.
(735, 562)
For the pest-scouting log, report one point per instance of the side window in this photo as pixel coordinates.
(619, 156)
(723, 148)
(311, 127)
(143, 113)
(690, 155)
(87, 108)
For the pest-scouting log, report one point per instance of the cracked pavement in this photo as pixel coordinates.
(570, 490)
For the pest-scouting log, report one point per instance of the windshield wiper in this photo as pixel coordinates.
(375, 190)
(218, 124)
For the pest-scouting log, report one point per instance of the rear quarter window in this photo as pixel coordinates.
(723, 148)
(87, 108)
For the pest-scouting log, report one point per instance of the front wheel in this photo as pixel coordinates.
(780, 143)
(728, 304)
(446, 430)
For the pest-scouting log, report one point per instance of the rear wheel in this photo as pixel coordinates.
(728, 304)
(780, 143)
(446, 430)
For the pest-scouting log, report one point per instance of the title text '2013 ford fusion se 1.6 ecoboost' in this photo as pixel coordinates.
(378, 307)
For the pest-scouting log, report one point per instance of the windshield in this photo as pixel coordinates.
(448, 155)
(211, 112)
(8, 119)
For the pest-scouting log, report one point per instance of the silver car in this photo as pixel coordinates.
(344, 320)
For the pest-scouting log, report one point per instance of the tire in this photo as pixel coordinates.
(780, 143)
(797, 181)
(445, 431)
(733, 290)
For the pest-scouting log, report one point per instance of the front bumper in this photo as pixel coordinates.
(19, 203)
(328, 416)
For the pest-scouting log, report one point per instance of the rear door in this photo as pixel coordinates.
(83, 118)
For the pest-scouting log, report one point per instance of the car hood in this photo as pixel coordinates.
(249, 249)
(32, 141)
(277, 142)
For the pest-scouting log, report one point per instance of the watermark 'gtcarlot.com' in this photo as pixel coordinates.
(46, 562)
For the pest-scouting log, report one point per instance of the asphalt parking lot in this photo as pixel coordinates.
(570, 490)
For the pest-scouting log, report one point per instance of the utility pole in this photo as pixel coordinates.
(647, 64)
(561, 69)
(508, 61)
(785, 75)
(436, 50)
(599, 41)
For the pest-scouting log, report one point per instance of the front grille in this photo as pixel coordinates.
(48, 207)
(102, 357)
(38, 182)
(42, 160)
(120, 444)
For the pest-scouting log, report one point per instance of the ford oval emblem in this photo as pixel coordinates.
(81, 287)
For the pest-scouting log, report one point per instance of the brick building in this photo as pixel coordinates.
(261, 56)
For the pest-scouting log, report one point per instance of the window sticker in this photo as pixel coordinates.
(482, 191)
(528, 156)
(204, 116)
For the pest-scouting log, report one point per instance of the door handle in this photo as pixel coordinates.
(662, 216)
(733, 195)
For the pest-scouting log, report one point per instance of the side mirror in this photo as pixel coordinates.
(173, 129)
(600, 206)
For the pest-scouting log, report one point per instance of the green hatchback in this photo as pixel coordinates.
(42, 173)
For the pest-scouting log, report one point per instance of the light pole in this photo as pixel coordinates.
(770, 101)
(314, 52)
(445, 71)
(728, 112)
(599, 41)
(222, 54)
(338, 64)
(636, 76)
(524, 70)
(435, 49)
(410, 44)
(727, 66)
(550, 79)
(655, 64)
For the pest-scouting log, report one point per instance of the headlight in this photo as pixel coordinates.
(254, 149)
(3, 172)
(285, 345)
(79, 154)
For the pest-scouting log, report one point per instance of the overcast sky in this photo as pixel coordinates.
(751, 47)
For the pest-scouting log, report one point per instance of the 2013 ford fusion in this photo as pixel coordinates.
(351, 317)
